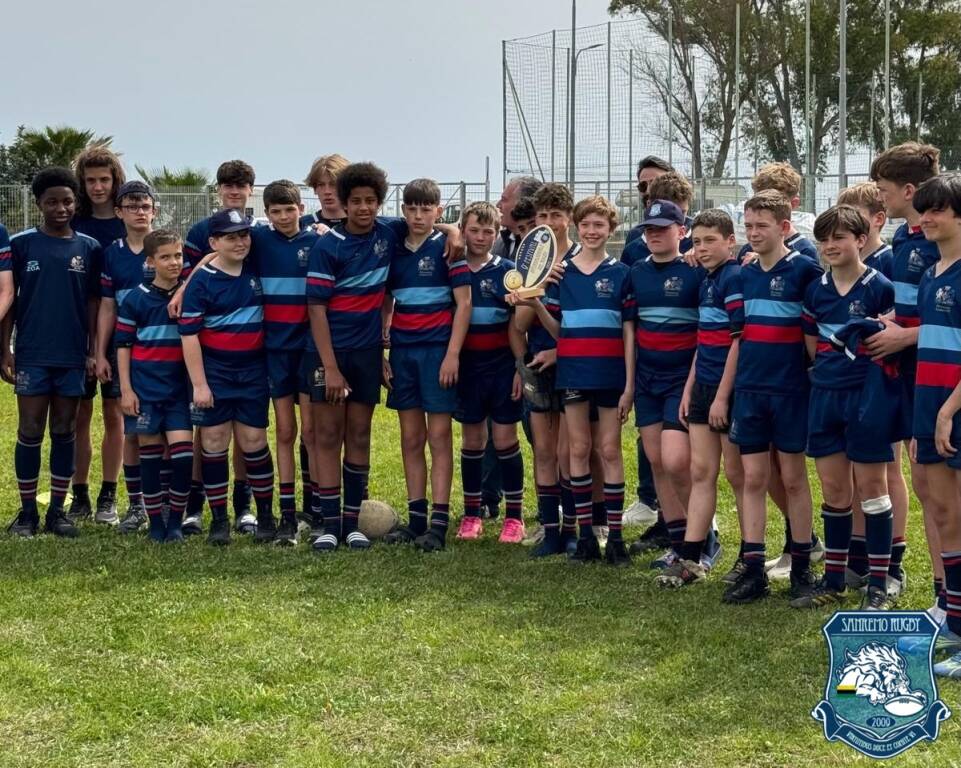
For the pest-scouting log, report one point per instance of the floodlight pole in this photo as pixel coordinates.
(887, 73)
(737, 99)
(573, 91)
(843, 99)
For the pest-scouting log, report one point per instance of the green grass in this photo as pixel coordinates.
(114, 652)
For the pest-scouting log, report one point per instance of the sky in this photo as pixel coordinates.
(414, 86)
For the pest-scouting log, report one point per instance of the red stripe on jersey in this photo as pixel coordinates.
(421, 321)
(158, 354)
(907, 322)
(232, 342)
(590, 347)
(720, 338)
(938, 374)
(732, 305)
(365, 302)
(318, 281)
(123, 327)
(772, 334)
(665, 342)
(823, 346)
(483, 342)
(285, 313)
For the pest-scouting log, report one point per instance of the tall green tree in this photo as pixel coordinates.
(176, 178)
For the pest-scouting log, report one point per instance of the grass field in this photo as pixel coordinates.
(114, 652)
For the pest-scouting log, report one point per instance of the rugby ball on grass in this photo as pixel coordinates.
(377, 519)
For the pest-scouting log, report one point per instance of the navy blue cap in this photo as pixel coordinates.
(134, 188)
(228, 220)
(663, 213)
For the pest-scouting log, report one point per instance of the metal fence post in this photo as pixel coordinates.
(25, 205)
(463, 197)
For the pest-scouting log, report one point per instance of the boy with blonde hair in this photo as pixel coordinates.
(322, 178)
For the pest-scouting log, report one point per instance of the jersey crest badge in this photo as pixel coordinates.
(425, 266)
(673, 286)
(487, 287)
(380, 248)
(77, 264)
(302, 257)
(915, 261)
(777, 286)
(944, 298)
(856, 308)
(604, 288)
(880, 697)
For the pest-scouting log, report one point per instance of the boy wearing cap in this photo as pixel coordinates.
(221, 328)
(666, 291)
(53, 272)
(235, 185)
(124, 268)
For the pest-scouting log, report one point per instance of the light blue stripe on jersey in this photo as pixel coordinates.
(941, 337)
(591, 318)
(120, 295)
(905, 293)
(284, 286)
(712, 315)
(158, 333)
(734, 297)
(241, 316)
(667, 315)
(364, 279)
(320, 276)
(488, 315)
(827, 330)
(769, 308)
(439, 294)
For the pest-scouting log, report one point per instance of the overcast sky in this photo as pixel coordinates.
(414, 86)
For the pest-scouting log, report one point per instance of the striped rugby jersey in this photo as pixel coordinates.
(348, 274)
(881, 260)
(666, 295)
(772, 358)
(912, 256)
(592, 309)
(281, 264)
(720, 321)
(796, 242)
(421, 283)
(538, 338)
(157, 370)
(487, 345)
(123, 270)
(939, 345)
(826, 311)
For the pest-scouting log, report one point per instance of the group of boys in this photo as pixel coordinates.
(760, 357)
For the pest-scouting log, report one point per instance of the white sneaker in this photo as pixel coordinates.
(779, 569)
(246, 523)
(639, 514)
(896, 586)
(938, 614)
(535, 537)
(817, 551)
(601, 532)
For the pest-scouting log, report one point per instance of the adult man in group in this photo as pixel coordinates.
(509, 238)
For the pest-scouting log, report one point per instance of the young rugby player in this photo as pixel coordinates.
(706, 403)
(322, 178)
(101, 176)
(782, 178)
(124, 269)
(153, 380)
(848, 438)
(592, 321)
(771, 393)
(488, 387)
(866, 197)
(54, 273)
(235, 184)
(278, 256)
(937, 399)
(429, 305)
(898, 172)
(665, 289)
(222, 332)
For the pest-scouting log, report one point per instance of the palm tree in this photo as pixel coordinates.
(178, 178)
(58, 144)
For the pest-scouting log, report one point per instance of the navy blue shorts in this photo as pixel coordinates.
(760, 420)
(836, 426)
(699, 409)
(361, 368)
(487, 393)
(928, 455)
(596, 398)
(416, 381)
(906, 419)
(658, 402)
(36, 380)
(283, 373)
(251, 410)
(159, 418)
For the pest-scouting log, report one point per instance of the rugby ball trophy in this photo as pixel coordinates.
(532, 263)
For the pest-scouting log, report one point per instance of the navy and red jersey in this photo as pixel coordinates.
(912, 256)
(317, 217)
(772, 357)
(104, 231)
(635, 249)
(538, 338)
(487, 344)
(667, 297)
(796, 242)
(228, 314)
(421, 283)
(122, 271)
(882, 260)
(720, 321)
(157, 370)
(348, 274)
(197, 244)
(281, 264)
(592, 309)
(826, 311)
(54, 278)
(4, 248)
(939, 345)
